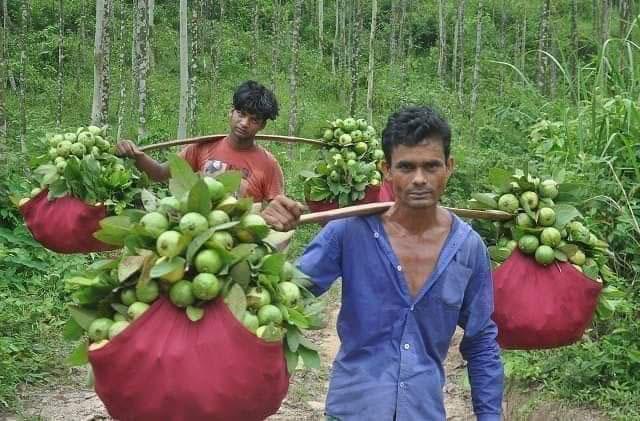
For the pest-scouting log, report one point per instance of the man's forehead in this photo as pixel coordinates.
(426, 150)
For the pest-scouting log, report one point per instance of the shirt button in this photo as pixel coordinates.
(376, 235)
(412, 308)
(402, 385)
(407, 346)
(399, 268)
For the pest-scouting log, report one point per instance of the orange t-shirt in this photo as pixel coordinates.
(261, 173)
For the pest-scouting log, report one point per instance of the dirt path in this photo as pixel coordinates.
(305, 400)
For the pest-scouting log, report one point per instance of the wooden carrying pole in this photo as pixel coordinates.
(208, 138)
(373, 208)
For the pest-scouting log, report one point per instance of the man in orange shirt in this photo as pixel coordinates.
(253, 105)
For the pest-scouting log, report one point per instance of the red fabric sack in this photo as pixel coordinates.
(64, 225)
(166, 367)
(539, 306)
(371, 196)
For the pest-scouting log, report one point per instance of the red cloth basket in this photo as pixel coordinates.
(64, 225)
(371, 196)
(166, 367)
(539, 307)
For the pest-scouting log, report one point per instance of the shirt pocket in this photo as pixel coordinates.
(453, 285)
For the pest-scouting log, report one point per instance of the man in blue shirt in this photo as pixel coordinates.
(409, 276)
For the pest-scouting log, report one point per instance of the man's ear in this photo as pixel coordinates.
(386, 170)
(450, 166)
(263, 124)
(230, 112)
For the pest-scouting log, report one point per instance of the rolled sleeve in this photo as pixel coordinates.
(321, 260)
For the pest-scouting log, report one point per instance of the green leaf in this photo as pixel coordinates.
(310, 357)
(241, 273)
(102, 265)
(114, 230)
(298, 319)
(565, 214)
(72, 330)
(230, 180)
(194, 313)
(197, 243)
(569, 193)
(500, 178)
(561, 256)
(272, 334)
(120, 308)
(57, 189)
(163, 267)
(182, 177)
(128, 266)
(83, 281)
(82, 316)
(559, 175)
(499, 254)
(292, 360)
(242, 251)
(149, 200)
(199, 199)
(308, 174)
(293, 338)
(79, 356)
(236, 301)
(486, 199)
(272, 264)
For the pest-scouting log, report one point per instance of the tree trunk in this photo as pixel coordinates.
(461, 50)
(606, 13)
(141, 42)
(393, 37)
(401, 42)
(24, 24)
(81, 46)
(123, 48)
(222, 11)
(595, 18)
(3, 72)
(193, 69)
(574, 39)
(543, 59)
(355, 56)
(476, 65)
(256, 39)
(101, 50)
(456, 42)
(523, 52)
(150, 52)
(503, 41)
(293, 71)
(442, 42)
(275, 43)
(372, 37)
(334, 50)
(625, 17)
(184, 72)
(321, 28)
(60, 62)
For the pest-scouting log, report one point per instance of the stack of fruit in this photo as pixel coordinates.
(194, 246)
(82, 164)
(348, 167)
(544, 223)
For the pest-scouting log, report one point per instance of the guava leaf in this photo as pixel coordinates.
(292, 360)
(499, 254)
(182, 177)
(83, 281)
(120, 308)
(48, 173)
(147, 264)
(241, 252)
(308, 174)
(240, 208)
(197, 243)
(560, 255)
(310, 357)
(298, 319)
(72, 330)
(559, 175)
(293, 338)
(565, 214)
(241, 273)
(569, 192)
(82, 316)
(57, 189)
(194, 313)
(486, 199)
(198, 199)
(500, 178)
(134, 215)
(236, 301)
(278, 240)
(149, 200)
(284, 310)
(272, 264)
(128, 266)
(591, 271)
(569, 249)
(102, 265)
(230, 180)
(272, 334)
(114, 230)
(79, 356)
(167, 266)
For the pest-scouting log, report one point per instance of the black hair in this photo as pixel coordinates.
(253, 98)
(411, 126)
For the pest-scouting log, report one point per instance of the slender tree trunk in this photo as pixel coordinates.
(542, 46)
(3, 72)
(321, 28)
(275, 43)
(355, 56)
(461, 51)
(24, 24)
(293, 71)
(150, 51)
(214, 58)
(81, 46)
(523, 52)
(595, 18)
(372, 37)
(193, 69)
(184, 72)
(503, 41)
(334, 50)
(256, 39)
(625, 17)
(141, 42)
(101, 53)
(400, 43)
(553, 70)
(393, 37)
(574, 39)
(442, 42)
(222, 11)
(606, 13)
(476, 65)
(60, 62)
(122, 49)
(456, 42)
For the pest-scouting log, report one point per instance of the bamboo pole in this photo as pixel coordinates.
(208, 138)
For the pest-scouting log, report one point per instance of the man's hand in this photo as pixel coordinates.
(282, 213)
(128, 148)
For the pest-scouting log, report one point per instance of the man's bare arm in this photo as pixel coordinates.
(157, 171)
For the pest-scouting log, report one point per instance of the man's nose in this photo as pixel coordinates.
(419, 177)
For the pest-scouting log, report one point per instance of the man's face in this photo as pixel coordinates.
(245, 125)
(418, 174)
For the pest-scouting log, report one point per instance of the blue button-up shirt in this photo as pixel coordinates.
(393, 346)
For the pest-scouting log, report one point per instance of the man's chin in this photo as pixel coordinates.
(421, 203)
